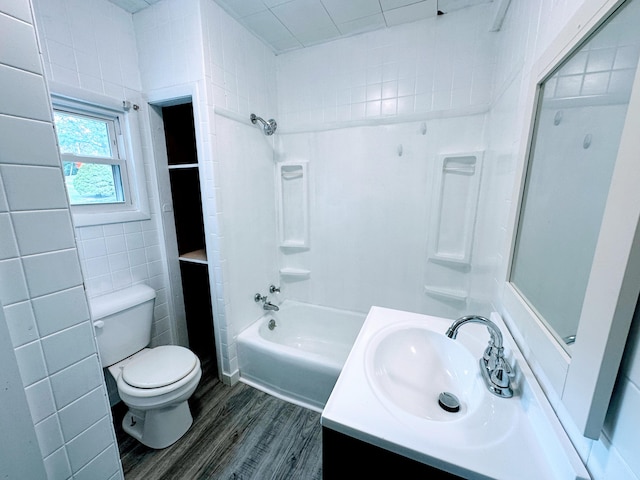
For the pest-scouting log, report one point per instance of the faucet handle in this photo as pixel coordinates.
(502, 374)
(259, 298)
(274, 289)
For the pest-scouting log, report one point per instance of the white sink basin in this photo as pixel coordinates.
(410, 366)
(387, 396)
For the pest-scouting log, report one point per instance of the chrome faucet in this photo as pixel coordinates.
(495, 369)
(266, 304)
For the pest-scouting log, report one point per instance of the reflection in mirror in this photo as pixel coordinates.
(578, 126)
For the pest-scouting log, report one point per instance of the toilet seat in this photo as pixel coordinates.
(126, 390)
(159, 367)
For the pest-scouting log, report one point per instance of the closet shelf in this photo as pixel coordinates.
(295, 272)
(197, 256)
(178, 166)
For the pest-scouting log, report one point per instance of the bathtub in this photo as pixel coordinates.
(299, 360)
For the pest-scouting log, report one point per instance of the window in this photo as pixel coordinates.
(93, 169)
(104, 184)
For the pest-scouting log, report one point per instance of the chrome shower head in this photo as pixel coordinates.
(269, 126)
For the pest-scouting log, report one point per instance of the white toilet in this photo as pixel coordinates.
(155, 383)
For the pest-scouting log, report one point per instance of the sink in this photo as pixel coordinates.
(387, 396)
(410, 366)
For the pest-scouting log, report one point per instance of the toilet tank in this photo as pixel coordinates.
(122, 322)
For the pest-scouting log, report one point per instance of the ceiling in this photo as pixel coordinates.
(291, 24)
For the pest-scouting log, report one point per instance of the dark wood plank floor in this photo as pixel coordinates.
(238, 433)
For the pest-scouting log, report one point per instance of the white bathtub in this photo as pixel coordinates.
(301, 358)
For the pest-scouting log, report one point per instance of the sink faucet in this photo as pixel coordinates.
(495, 370)
(266, 304)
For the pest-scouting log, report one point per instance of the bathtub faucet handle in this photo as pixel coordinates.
(259, 298)
(274, 289)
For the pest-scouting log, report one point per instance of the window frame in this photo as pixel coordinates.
(128, 157)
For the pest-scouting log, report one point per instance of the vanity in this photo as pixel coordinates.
(384, 411)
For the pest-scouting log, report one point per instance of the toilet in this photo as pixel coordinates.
(155, 383)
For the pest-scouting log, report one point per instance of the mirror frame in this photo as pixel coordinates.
(581, 384)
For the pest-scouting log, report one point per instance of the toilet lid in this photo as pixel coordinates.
(159, 366)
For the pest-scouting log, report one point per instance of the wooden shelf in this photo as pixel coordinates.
(197, 256)
(178, 166)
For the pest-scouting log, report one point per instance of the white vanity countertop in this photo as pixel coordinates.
(526, 440)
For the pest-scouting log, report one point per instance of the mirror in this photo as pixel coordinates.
(578, 126)
(572, 283)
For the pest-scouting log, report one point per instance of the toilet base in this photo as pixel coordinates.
(158, 428)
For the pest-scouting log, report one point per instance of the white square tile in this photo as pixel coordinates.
(57, 464)
(624, 434)
(17, 8)
(31, 363)
(24, 94)
(60, 310)
(22, 51)
(27, 142)
(605, 462)
(21, 323)
(95, 247)
(49, 435)
(51, 272)
(3, 200)
(8, 245)
(82, 413)
(33, 188)
(43, 231)
(77, 380)
(13, 285)
(105, 465)
(96, 267)
(40, 400)
(68, 347)
(86, 446)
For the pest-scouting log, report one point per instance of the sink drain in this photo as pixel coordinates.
(449, 402)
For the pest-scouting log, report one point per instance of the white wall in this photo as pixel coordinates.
(528, 29)
(89, 48)
(41, 283)
(405, 72)
(197, 48)
(346, 107)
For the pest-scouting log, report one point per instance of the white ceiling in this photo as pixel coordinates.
(290, 24)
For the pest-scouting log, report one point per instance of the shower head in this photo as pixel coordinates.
(269, 127)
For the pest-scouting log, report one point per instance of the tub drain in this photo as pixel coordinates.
(449, 402)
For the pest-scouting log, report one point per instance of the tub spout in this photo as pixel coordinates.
(270, 306)
(266, 304)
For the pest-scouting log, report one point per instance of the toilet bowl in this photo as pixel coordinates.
(154, 383)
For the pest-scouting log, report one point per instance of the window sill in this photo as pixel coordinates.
(91, 219)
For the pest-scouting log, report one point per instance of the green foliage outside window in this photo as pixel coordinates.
(95, 180)
(82, 136)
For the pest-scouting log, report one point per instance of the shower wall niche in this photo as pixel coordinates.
(293, 208)
(452, 225)
(292, 190)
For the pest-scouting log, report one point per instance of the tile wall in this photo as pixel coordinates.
(528, 29)
(403, 72)
(41, 283)
(90, 47)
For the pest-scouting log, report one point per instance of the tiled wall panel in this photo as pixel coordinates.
(37, 278)
(528, 29)
(92, 48)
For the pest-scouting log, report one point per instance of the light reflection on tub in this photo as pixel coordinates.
(301, 358)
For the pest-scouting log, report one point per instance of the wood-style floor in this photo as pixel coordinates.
(238, 433)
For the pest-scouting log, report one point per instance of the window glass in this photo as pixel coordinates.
(79, 135)
(92, 168)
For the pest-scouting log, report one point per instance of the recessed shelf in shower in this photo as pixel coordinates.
(293, 200)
